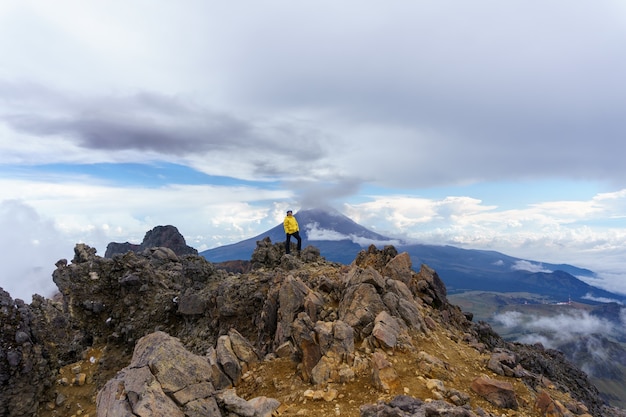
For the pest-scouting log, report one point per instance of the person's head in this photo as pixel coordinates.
(289, 213)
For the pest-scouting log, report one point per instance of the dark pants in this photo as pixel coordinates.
(288, 243)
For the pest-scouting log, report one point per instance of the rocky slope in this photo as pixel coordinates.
(159, 333)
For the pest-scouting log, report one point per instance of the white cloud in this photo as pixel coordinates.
(30, 246)
(600, 299)
(365, 242)
(509, 319)
(98, 214)
(609, 280)
(531, 339)
(314, 232)
(568, 326)
(529, 266)
(554, 330)
(574, 327)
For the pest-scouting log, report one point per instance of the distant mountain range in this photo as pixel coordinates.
(340, 239)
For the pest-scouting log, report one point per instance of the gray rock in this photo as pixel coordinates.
(386, 329)
(361, 304)
(502, 363)
(191, 304)
(206, 407)
(406, 403)
(285, 350)
(174, 366)
(324, 335)
(313, 305)
(228, 360)
(343, 344)
(152, 385)
(14, 357)
(291, 296)
(400, 268)
(219, 378)
(432, 367)
(399, 288)
(21, 337)
(405, 406)
(366, 276)
(267, 255)
(161, 236)
(264, 406)
(432, 287)
(135, 391)
(256, 407)
(162, 375)
(242, 348)
(130, 280)
(193, 392)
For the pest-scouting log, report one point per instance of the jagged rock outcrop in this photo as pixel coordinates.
(375, 323)
(115, 248)
(160, 236)
(20, 361)
(120, 300)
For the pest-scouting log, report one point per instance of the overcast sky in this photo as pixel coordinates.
(484, 124)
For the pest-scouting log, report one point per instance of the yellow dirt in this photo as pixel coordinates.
(278, 379)
(79, 394)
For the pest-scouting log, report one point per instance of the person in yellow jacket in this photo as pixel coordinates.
(291, 229)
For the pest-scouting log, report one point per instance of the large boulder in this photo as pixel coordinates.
(164, 379)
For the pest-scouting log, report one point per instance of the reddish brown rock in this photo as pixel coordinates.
(500, 394)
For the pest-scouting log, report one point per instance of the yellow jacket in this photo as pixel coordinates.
(291, 225)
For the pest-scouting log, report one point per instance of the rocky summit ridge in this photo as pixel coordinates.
(160, 333)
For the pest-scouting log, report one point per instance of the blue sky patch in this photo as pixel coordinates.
(125, 174)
